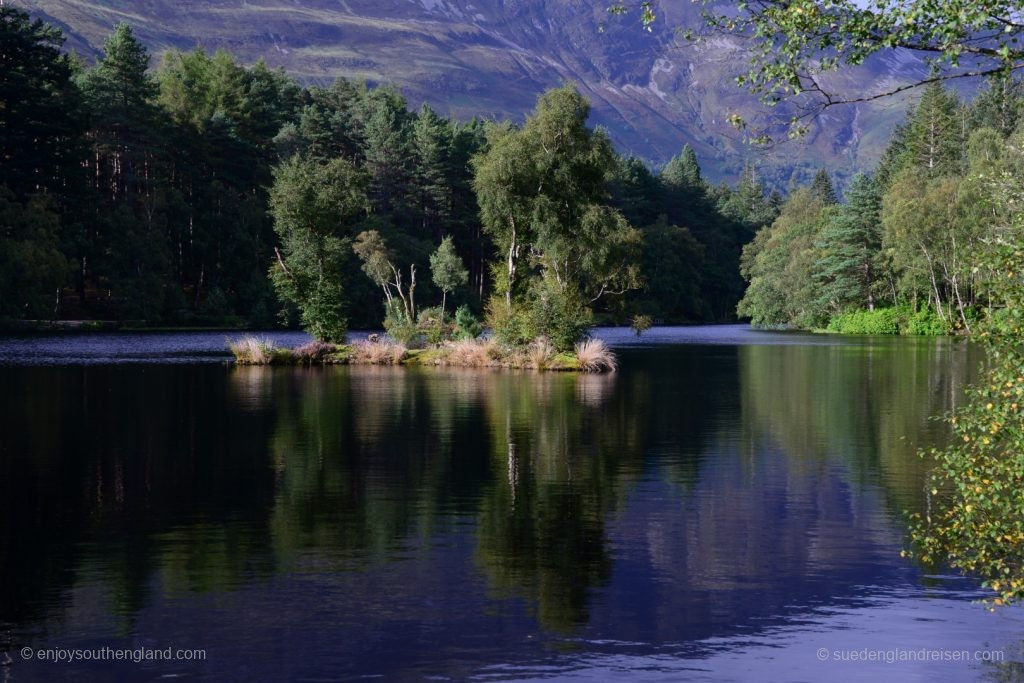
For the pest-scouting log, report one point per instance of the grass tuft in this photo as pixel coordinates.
(594, 356)
(378, 353)
(253, 350)
(540, 353)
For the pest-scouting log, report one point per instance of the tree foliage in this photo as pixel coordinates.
(175, 191)
(316, 208)
(977, 487)
(795, 44)
(544, 200)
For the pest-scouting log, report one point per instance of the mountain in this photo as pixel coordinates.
(492, 57)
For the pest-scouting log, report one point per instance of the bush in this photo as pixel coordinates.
(559, 314)
(399, 327)
(878, 321)
(641, 323)
(429, 324)
(925, 322)
(511, 327)
(313, 352)
(466, 324)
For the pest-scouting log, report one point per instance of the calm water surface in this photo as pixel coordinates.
(728, 506)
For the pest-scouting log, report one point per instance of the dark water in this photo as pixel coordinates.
(722, 508)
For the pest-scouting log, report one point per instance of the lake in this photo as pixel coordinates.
(729, 506)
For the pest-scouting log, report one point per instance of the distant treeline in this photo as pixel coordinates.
(909, 250)
(135, 194)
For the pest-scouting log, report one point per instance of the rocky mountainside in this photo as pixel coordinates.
(492, 58)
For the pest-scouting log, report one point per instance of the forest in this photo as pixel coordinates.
(202, 192)
(905, 252)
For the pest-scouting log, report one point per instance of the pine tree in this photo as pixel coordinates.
(934, 143)
(684, 170)
(468, 140)
(848, 247)
(389, 151)
(40, 133)
(432, 142)
(821, 187)
(747, 204)
(999, 105)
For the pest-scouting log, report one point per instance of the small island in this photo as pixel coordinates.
(560, 249)
(590, 355)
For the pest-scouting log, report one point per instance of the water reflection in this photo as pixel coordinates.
(702, 492)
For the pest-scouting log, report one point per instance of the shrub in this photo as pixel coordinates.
(925, 322)
(594, 356)
(399, 327)
(641, 323)
(466, 324)
(511, 327)
(878, 321)
(429, 324)
(313, 352)
(557, 313)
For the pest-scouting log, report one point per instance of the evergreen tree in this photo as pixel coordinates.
(999, 104)
(684, 170)
(468, 140)
(848, 247)
(934, 142)
(821, 187)
(388, 149)
(674, 269)
(40, 134)
(432, 141)
(32, 268)
(121, 97)
(747, 204)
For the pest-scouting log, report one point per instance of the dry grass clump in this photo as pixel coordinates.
(378, 353)
(594, 356)
(253, 350)
(540, 353)
(474, 353)
(313, 352)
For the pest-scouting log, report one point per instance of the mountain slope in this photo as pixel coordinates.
(492, 58)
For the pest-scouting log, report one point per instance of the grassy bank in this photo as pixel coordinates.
(588, 356)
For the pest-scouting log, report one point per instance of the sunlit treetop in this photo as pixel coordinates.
(794, 42)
